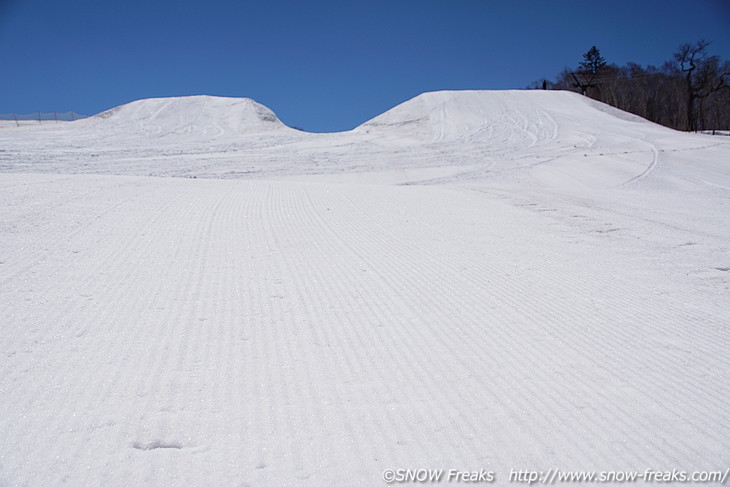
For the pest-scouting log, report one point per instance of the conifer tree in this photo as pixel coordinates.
(589, 68)
(592, 61)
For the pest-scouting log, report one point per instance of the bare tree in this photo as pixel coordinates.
(692, 91)
(702, 77)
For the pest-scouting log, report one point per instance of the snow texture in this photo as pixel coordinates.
(192, 293)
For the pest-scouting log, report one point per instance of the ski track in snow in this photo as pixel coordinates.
(532, 307)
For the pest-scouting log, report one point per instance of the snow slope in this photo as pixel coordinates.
(472, 280)
(554, 138)
(518, 119)
(521, 137)
(206, 116)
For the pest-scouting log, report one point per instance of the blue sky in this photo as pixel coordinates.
(322, 65)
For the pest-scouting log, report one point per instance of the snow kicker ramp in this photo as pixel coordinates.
(504, 317)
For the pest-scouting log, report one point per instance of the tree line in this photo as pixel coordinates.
(689, 92)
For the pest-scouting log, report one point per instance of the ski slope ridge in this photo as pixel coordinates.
(497, 116)
(200, 115)
(545, 138)
(549, 138)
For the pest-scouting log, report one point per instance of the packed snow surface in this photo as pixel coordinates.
(193, 293)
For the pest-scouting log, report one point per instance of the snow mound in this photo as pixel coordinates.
(201, 115)
(547, 138)
(513, 117)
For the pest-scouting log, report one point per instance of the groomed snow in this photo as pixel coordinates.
(192, 293)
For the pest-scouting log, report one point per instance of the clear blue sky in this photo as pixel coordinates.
(322, 65)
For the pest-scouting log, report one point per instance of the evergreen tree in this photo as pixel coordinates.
(592, 61)
(589, 67)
